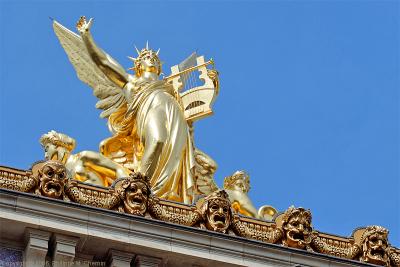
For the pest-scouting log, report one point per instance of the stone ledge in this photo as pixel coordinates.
(99, 230)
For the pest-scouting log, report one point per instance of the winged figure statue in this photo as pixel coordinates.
(150, 119)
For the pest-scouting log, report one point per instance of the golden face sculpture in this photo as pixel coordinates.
(216, 211)
(375, 245)
(297, 227)
(57, 146)
(147, 61)
(240, 181)
(52, 178)
(134, 191)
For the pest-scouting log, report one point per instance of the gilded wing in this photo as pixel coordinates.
(205, 168)
(109, 94)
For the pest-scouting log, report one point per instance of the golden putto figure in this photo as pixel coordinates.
(150, 119)
(85, 166)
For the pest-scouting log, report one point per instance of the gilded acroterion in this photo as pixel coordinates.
(149, 118)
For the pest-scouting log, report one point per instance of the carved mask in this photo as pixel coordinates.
(218, 215)
(134, 191)
(374, 245)
(52, 177)
(216, 211)
(136, 195)
(297, 228)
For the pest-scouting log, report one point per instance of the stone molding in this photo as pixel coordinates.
(292, 228)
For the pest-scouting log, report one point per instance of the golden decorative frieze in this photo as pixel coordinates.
(335, 246)
(256, 229)
(173, 212)
(394, 256)
(17, 180)
(132, 195)
(79, 192)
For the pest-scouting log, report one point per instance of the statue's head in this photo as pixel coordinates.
(52, 178)
(134, 191)
(147, 61)
(374, 243)
(216, 211)
(57, 146)
(297, 228)
(238, 181)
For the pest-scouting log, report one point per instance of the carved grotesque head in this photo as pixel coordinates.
(134, 191)
(57, 146)
(216, 211)
(238, 181)
(296, 225)
(147, 61)
(374, 243)
(52, 178)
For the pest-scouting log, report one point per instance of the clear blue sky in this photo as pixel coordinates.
(309, 100)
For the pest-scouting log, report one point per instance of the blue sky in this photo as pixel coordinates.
(308, 106)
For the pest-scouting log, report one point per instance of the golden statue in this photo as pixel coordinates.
(150, 119)
(237, 186)
(85, 166)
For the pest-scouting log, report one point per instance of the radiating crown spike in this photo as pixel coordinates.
(147, 45)
(132, 58)
(137, 50)
(158, 51)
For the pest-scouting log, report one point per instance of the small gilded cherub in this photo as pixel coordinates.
(86, 166)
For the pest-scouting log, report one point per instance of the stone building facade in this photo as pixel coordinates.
(47, 219)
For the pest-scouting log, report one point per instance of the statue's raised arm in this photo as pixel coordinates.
(101, 76)
(106, 63)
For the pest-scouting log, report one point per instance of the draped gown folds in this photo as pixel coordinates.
(155, 119)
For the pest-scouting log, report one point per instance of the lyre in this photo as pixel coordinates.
(197, 100)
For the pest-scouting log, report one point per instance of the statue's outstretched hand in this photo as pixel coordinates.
(83, 26)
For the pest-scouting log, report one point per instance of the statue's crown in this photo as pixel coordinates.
(143, 53)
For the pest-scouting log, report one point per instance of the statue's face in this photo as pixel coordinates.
(136, 195)
(54, 152)
(298, 230)
(375, 248)
(53, 177)
(242, 185)
(50, 151)
(150, 63)
(218, 215)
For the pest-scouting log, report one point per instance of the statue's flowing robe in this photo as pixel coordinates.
(154, 116)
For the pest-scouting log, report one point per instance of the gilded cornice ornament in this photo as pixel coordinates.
(132, 195)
